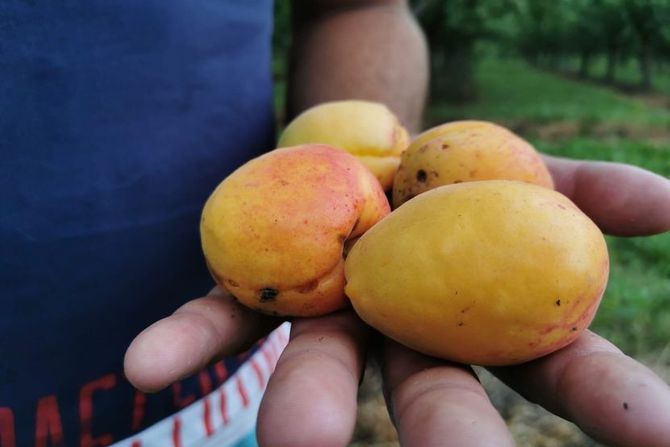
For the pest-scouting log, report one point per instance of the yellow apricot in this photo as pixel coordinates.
(368, 130)
(274, 231)
(465, 151)
(491, 273)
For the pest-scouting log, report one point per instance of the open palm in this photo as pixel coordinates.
(311, 397)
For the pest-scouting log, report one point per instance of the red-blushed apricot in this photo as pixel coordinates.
(466, 151)
(274, 231)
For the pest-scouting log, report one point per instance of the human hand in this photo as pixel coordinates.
(609, 395)
(311, 397)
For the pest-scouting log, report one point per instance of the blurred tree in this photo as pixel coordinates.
(644, 19)
(453, 28)
(542, 33)
(281, 37)
(614, 33)
(583, 33)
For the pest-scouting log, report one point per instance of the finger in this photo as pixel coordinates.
(613, 398)
(311, 397)
(435, 403)
(186, 341)
(622, 200)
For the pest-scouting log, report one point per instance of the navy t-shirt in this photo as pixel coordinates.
(117, 119)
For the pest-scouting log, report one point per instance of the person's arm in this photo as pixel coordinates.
(358, 49)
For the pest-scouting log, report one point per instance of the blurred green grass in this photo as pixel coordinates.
(628, 72)
(511, 91)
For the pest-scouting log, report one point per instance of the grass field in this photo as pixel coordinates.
(628, 72)
(512, 92)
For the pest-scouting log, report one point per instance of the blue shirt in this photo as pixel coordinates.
(117, 119)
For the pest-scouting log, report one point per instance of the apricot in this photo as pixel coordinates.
(273, 232)
(368, 130)
(490, 273)
(465, 151)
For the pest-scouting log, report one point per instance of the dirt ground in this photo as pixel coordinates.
(530, 424)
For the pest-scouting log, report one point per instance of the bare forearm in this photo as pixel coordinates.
(358, 49)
